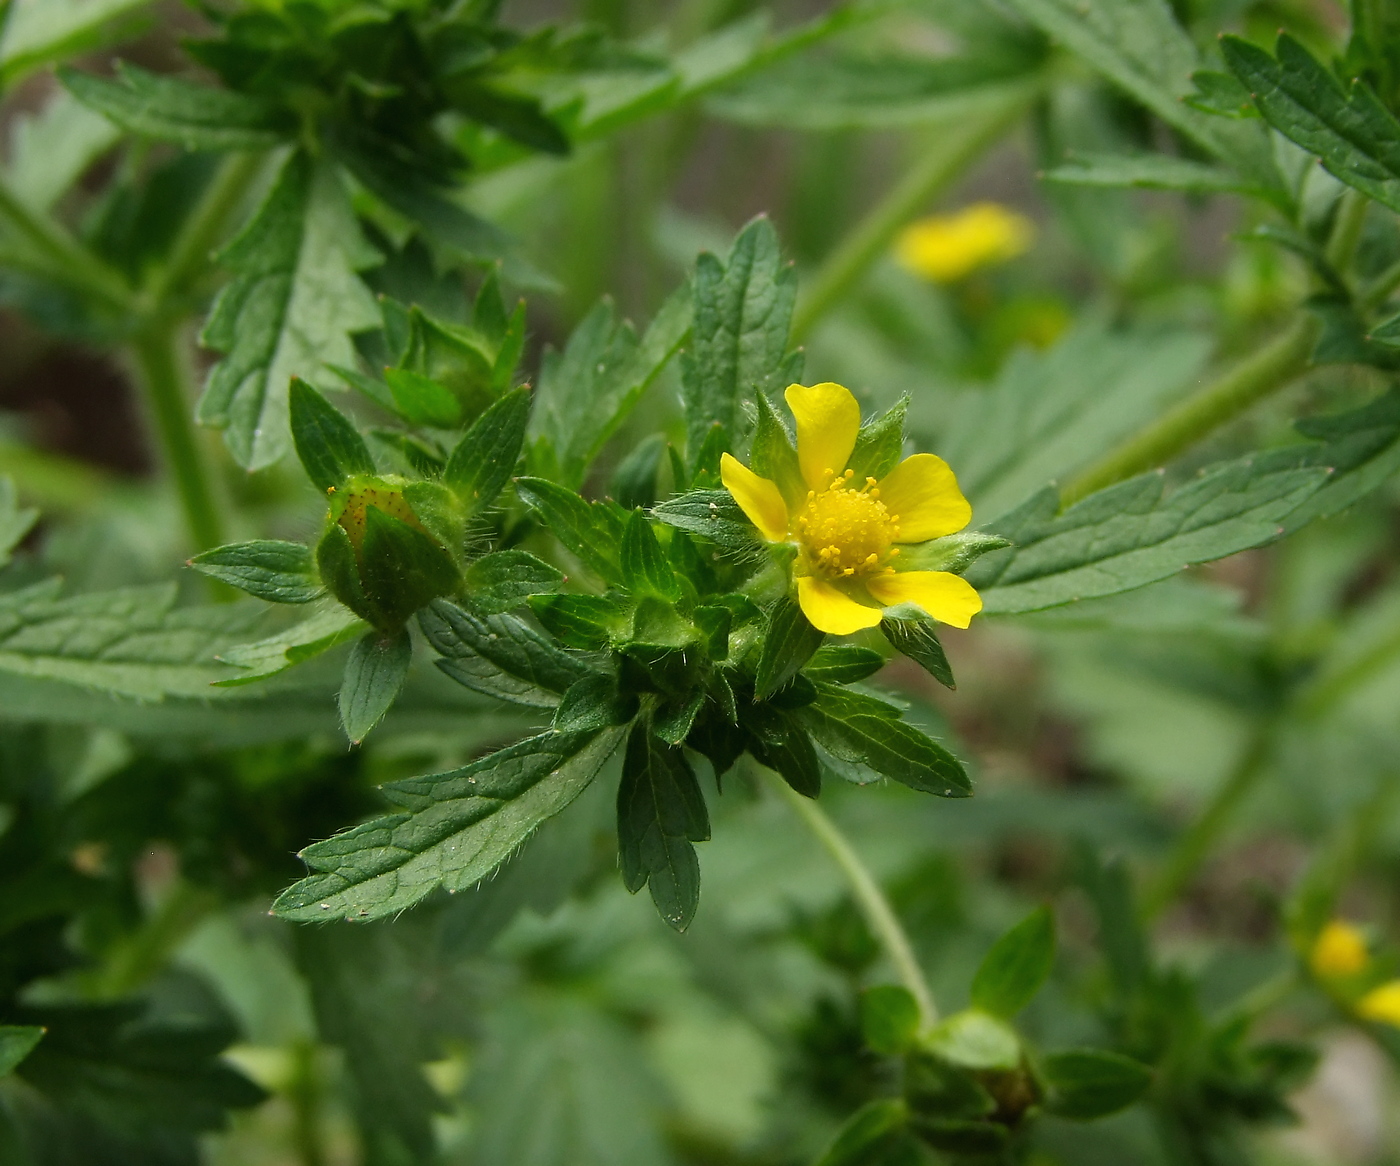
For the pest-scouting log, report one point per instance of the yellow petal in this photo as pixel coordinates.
(828, 420)
(924, 493)
(759, 498)
(833, 611)
(1340, 950)
(1381, 1004)
(949, 598)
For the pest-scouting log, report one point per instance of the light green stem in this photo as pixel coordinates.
(304, 1093)
(65, 259)
(1200, 838)
(1346, 231)
(162, 370)
(871, 237)
(1274, 365)
(879, 915)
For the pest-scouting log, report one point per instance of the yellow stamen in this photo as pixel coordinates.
(844, 531)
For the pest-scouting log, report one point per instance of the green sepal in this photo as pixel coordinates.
(279, 572)
(437, 508)
(953, 552)
(645, 568)
(660, 813)
(329, 446)
(714, 624)
(420, 400)
(581, 621)
(975, 1039)
(401, 569)
(1091, 1083)
(591, 703)
(789, 643)
(889, 1019)
(781, 743)
(843, 663)
(914, 634)
(339, 570)
(880, 444)
(375, 672)
(657, 623)
(1017, 965)
(676, 718)
(485, 458)
(583, 528)
(773, 455)
(504, 580)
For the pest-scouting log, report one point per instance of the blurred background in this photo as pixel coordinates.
(549, 1017)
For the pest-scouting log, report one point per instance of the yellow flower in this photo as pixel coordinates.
(1340, 950)
(1381, 1004)
(945, 248)
(847, 533)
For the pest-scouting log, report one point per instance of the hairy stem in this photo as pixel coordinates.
(1267, 370)
(871, 237)
(879, 915)
(65, 259)
(1200, 838)
(162, 373)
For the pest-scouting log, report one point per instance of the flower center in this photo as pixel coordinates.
(845, 532)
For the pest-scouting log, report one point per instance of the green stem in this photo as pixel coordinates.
(304, 1094)
(1346, 231)
(162, 372)
(871, 237)
(144, 953)
(66, 260)
(1200, 838)
(1375, 293)
(1267, 370)
(192, 250)
(879, 915)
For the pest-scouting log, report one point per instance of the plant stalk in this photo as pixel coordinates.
(162, 373)
(1267, 370)
(871, 237)
(70, 262)
(1200, 838)
(304, 1094)
(876, 909)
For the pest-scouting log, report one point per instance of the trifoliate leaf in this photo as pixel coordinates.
(456, 829)
(290, 310)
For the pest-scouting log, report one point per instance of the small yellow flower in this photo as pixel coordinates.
(1340, 950)
(1381, 1004)
(848, 534)
(945, 248)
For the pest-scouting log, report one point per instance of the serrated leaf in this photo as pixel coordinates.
(508, 643)
(916, 636)
(582, 621)
(195, 117)
(484, 459)
(1356, 137)
(584, 528)
(374, 674)
(290, 309)
(279, 572)
(788, 644)
(713, 515)
(589, 390)
(1018, 964)
(17, 1041)
(862, 730)
(504, 580)
(743, 308)
(15, 523)
(457, 828)
(322, 630)
(660, 813)
(645, 569)
(1091, 1083)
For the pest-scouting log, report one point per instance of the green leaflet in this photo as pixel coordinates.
(788, 644)
(1139, 46)
(290, 309)
(485, 458)
(279, 572)
(510, 646)
(505, 579)
(660, 813)
(645, 568)
(132, 641)
(37, 32)
(14, 522)
(1356, 137)
(374, 674)
(1018, 964)
(875, 1126)
(713, 515)
(861, 730)
(328, 624)
(743, 307)
(916, 636)
(587, 391)
(17, 1041)
(591, 531)
(196, 117)
(457, 828)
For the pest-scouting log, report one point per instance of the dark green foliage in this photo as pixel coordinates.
(375, 672)
(917, 638)
(788, 644)
(330, 448)
(1092, 1083)
(511, 647)
(504, 580)
(589, 531)
(483, 461)
(714, 516)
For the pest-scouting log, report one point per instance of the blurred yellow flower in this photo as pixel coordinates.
(1381, 1004)
(848, 532)
(945, 248)
(1340, 950)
